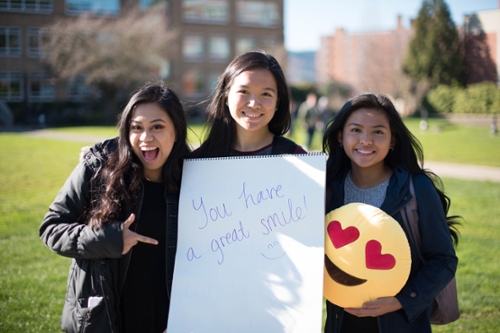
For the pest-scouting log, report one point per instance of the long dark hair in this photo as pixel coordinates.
(121, 176)
(221, 127)
(407, 151)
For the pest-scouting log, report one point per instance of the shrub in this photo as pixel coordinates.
(480, 98)
(441, 99)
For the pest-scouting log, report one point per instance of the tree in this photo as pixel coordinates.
(435, 54)
(112, 54)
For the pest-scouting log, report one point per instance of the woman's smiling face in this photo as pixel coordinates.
(152, 137)
(252, 99)
(367, 137)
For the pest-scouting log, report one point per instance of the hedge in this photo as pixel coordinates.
(479, 98)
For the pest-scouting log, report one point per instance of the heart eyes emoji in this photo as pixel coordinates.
(367, 255)
(373, 249)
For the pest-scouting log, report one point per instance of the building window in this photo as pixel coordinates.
(219, 48)
(146, 4)
(40, 87)
(213, 78)
(77, 89)
(38, 41)
(10, 41)
(162, 5)
(11, 85)
(43, 6)
(257, 13)
(245, 44)
(267, 44)
(163, 69)
(193, 84)
(93, 6)
(193, 48)
(205, 11)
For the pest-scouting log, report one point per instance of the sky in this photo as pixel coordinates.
(307, 20)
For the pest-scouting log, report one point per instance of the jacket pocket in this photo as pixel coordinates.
(83, 285)
(79, 318)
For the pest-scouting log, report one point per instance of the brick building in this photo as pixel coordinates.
(367, 61)
(208, 35)
(212, 33)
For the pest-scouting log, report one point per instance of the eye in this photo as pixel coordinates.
(158, 127)
(135, 127)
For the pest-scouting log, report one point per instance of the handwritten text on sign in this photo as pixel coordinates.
(250, 245)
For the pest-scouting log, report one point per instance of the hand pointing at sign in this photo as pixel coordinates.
(131, 238)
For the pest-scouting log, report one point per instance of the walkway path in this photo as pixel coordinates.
(442, 169)
(464, 171)
(67, 136)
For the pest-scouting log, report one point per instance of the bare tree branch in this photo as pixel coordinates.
(112, 54)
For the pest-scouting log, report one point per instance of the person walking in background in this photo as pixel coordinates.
(116, 217)
(249, 112)
(373, 157)
(324, 113)
(309, 117)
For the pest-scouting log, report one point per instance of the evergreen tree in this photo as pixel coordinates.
(435, 53)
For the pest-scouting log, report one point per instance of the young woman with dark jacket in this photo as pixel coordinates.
(116, 217)
(373, 157)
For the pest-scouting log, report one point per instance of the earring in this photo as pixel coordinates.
(227, 104)
(341, 145)
(276, 109)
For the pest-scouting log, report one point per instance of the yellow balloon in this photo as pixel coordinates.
(367, 255)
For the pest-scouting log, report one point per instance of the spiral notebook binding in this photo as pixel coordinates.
(239, 157)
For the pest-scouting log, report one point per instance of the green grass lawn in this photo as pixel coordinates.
(445, 142)
(33, 280)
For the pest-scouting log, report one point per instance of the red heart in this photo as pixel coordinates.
(375, 259)
(341, 237)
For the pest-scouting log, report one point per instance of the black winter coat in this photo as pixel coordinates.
(98, 267)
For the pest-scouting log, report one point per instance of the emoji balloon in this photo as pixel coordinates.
(367, 255)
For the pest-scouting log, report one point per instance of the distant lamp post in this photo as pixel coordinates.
(423, 121)
(494, 128)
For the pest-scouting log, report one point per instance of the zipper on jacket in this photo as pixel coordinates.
(102, 264)
(138, 213)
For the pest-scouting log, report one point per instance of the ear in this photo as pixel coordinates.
(339, 137)
(393, 142)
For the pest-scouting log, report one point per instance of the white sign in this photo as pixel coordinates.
(250, 247)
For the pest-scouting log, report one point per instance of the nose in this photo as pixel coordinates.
(254, 102)
(146, 136)
(365, 138)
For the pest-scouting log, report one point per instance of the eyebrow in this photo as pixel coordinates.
(356, 124)
(266, 88)
(152, 121)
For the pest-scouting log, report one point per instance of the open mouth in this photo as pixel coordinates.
(149, 154)
(340, 276)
